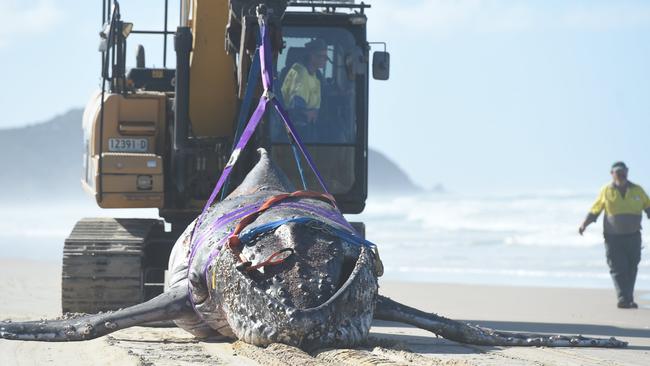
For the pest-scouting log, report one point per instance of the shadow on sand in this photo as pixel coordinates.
(563, 328)
(432, 344)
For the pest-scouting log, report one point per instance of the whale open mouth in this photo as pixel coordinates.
(324, 290)
(266, 312)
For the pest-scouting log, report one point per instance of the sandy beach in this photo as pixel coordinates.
(31, 290)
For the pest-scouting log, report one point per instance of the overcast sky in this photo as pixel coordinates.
(484, 96)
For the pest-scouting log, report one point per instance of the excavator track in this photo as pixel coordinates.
(104, 263)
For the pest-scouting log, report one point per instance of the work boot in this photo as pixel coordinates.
(628, 305)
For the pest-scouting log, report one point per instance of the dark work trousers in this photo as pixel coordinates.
(623, 256)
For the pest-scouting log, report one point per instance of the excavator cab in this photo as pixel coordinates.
(159, 137)
(335, 129)
(337, 133)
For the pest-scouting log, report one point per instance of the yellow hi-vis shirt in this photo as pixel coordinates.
(300, 83)
(622, 213)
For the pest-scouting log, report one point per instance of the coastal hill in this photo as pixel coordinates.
(44, 160)
(385, 176)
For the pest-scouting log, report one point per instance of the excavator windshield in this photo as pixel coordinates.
(317, 84)
(318, 75)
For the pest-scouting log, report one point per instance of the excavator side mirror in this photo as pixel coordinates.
(381, 65)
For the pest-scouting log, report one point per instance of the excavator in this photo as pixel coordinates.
(158, 137)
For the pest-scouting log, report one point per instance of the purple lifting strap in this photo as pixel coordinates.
(266, 65)
(246, 210)
(267, 81)
(226, 219)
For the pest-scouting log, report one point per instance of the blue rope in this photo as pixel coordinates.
(353, 238)
(299, 166)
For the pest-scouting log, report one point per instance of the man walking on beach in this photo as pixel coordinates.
(623, 202)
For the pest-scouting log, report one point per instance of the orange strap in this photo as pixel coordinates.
(234, 242)
(233, 239)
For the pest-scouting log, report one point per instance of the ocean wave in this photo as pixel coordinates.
(515, 272)
(518, 220)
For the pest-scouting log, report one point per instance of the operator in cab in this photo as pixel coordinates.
(623, 203)
(301, 89)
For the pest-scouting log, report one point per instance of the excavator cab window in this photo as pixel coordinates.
(328, 92)
(318, 86)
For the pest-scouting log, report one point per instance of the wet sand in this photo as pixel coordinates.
(31, 290)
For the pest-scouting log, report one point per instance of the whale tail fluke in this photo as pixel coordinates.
(173, 304)
(387, 309)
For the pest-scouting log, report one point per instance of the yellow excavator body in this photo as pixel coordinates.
(213, 88)
(132, 146)
(132, 149)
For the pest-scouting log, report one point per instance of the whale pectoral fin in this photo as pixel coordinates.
(387, 309)
(173, 304)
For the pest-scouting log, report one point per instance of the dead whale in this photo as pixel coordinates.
(268, 266)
